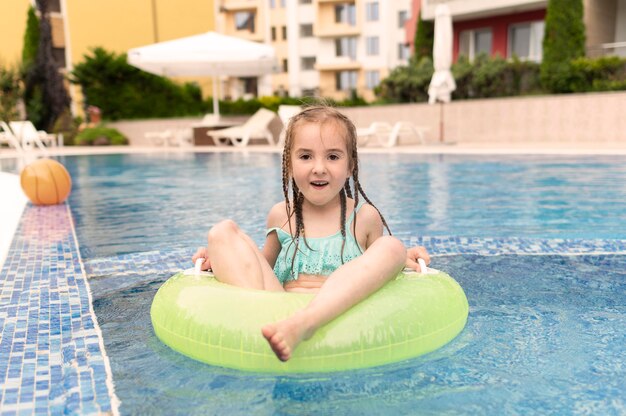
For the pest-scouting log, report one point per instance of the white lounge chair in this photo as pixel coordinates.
(7, 137)
(170, 137)
(404, 128)
(285, 112)
(388, 135)
(378, 130)
(257, 127)
(29, 136)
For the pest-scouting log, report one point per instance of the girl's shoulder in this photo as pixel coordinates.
(369, 217)
(277, 216)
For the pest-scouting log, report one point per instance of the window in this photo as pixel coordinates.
(282, 3)
(306, 30)
(372, 79)
(272, 4)
(345, 13)
(371, 11)
(346, 80)
(345, 47)
(525, 41)
(284, 32)
(308, 63)
(285, 65)
(474, 42)
(250, 85)
(371, 45)
(244, 21)
(403, 16)
(54, 6)
(403, 51)
(273, 32)
(58, 56)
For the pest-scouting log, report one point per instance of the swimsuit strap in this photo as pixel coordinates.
(354, 211)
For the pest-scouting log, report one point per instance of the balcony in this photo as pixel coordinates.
(237, 5)
(340, 63)
(465, 10)
(336, 19)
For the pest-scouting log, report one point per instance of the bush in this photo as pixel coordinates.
(407, 84)
(68, 127)
(100, 136)
(122, 91)
(602, 74)
(10, 92)
(495, 77)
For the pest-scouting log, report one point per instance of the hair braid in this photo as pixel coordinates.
(342, 222)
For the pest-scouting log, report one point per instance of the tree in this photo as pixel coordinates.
(31, 39)
(564, 41)
(424, 38)
(124, 91)
(46, 95)
(10, 92)
(32, 90)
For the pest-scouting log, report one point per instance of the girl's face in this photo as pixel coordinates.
(319, 161)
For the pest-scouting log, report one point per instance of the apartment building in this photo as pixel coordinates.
(327, 48)
(516, 27)
(116, 25)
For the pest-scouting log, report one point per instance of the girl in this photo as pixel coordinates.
(321, 240)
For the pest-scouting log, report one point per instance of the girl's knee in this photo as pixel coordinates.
(392, 247)
(222, 230)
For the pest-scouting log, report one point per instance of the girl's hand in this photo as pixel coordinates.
(414, 253)
(202, 253)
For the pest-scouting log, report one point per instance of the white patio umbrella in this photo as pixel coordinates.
(207, 54)
(442, 83)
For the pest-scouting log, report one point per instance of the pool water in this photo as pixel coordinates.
(545, 334)
(131, 203)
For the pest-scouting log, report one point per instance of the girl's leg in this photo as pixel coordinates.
(347, 286)
(237, 261)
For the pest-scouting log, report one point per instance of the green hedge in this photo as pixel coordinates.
(122, 91)
(603, 74)
(100, 136)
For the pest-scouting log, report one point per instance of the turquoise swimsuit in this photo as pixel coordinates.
(322, 258)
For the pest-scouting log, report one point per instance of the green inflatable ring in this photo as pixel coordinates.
(221, 324)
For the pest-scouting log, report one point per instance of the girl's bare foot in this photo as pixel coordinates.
(285, 336)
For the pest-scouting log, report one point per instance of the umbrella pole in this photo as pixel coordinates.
(216, 98)
(441, 122)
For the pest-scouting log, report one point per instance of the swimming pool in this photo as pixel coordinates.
(546, 330)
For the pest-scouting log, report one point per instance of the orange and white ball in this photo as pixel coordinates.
(46, 182)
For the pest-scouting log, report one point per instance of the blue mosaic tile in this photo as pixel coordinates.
(50, 355)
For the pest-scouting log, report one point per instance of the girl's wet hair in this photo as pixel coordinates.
(322, 115)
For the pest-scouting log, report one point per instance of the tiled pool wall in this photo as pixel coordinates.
(52, 359)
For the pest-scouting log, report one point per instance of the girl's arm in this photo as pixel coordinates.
(276, 218)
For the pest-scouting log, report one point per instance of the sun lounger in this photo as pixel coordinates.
(29, 136)
(285, 112)
(7, 137)
(257, 127)
(388, 135)
(170, 137)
